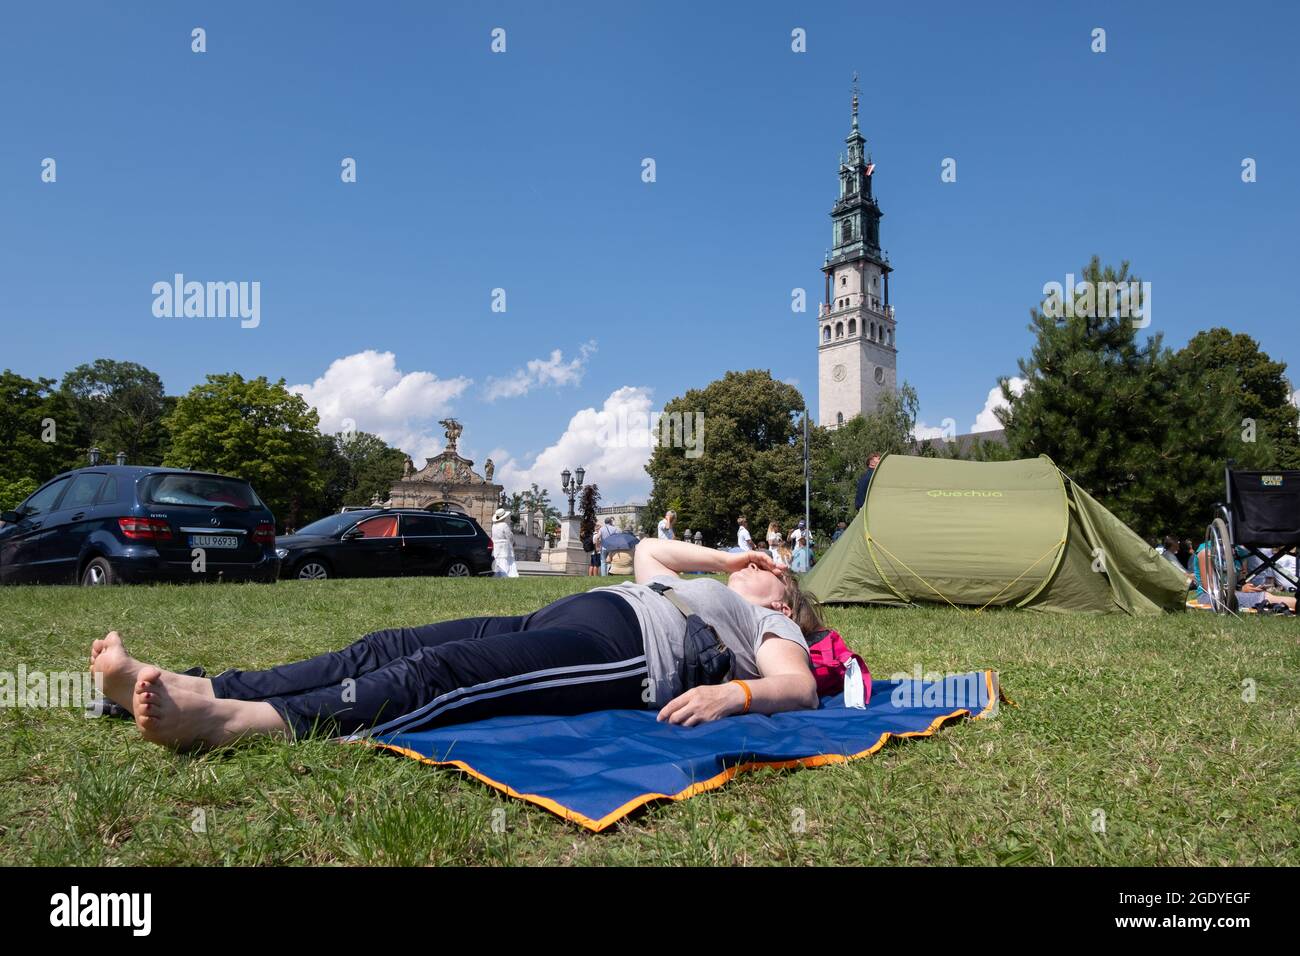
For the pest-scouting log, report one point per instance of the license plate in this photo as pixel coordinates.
(213, 541)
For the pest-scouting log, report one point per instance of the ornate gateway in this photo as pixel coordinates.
(448, 482)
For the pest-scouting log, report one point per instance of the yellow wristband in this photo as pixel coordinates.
(749, 697)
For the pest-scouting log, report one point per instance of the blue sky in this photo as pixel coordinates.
(522, 171)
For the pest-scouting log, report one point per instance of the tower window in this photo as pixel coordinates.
(839, 330)
(844, 280)
(853, 326)
(826, 333)
(839, 418)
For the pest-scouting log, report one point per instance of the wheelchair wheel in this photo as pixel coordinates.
(1222, 583)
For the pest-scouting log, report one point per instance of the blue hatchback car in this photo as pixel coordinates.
(123, 523)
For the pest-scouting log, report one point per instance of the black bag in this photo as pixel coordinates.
(706, 660)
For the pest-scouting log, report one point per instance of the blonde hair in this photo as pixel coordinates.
(804, 610)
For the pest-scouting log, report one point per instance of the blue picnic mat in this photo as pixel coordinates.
(594, 769)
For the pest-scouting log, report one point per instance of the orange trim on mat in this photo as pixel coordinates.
(713, 783)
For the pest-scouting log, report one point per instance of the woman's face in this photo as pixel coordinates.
(764, 588)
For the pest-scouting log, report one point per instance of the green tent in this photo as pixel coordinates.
(980, 534)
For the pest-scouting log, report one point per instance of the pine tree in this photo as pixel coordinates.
(1097, 400)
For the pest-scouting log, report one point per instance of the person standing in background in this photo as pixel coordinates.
(503, 545)
(799, 536)
(665, 530)
(606, 530)
(774, 537)
(743, 539)
(873, 461)
(593, 566)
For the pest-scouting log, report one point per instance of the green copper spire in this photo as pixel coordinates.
(856, 216)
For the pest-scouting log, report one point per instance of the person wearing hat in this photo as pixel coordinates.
(503, 545)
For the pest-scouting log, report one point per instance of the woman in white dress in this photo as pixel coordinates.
(503, 545)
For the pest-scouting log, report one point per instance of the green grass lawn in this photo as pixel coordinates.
(1142, 720)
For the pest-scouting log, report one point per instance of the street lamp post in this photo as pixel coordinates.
(571, 484)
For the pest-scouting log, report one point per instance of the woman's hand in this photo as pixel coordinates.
(760, 559)
(699, 705)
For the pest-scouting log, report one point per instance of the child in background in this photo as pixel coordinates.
(801, 558)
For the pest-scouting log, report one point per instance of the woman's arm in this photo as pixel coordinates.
(654, 557)
(786, 684)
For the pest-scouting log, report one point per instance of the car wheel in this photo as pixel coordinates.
(98, 572)
(312, 571)
(458, 569)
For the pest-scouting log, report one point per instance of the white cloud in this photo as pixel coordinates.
(986, 421)
(540, 373)
(611, 442)
(369, 389)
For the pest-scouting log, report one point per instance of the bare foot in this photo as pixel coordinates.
(121, 671)
(183, 720)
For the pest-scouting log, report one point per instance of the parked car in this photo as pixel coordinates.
(124, 523)
(386, 542)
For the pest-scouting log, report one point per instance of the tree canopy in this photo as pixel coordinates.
(1146, 430)
(252, 429)
(751, 461)
(120, 407)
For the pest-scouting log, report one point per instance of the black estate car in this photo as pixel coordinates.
(386, 542)
(120, 523)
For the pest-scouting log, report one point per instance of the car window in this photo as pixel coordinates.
(83, 491)
(109, 491)
(420, 525)
(43, 501)
(381, 526)
(458, 526)
(202, 490)
(332, 524)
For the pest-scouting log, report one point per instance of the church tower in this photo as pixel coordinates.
(857, 359)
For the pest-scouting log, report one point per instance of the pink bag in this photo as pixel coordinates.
(837, 668)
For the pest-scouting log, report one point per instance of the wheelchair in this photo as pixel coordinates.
(1262, 510)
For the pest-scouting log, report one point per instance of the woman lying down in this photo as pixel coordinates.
(636, 645)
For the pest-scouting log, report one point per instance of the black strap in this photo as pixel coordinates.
(708, 660)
